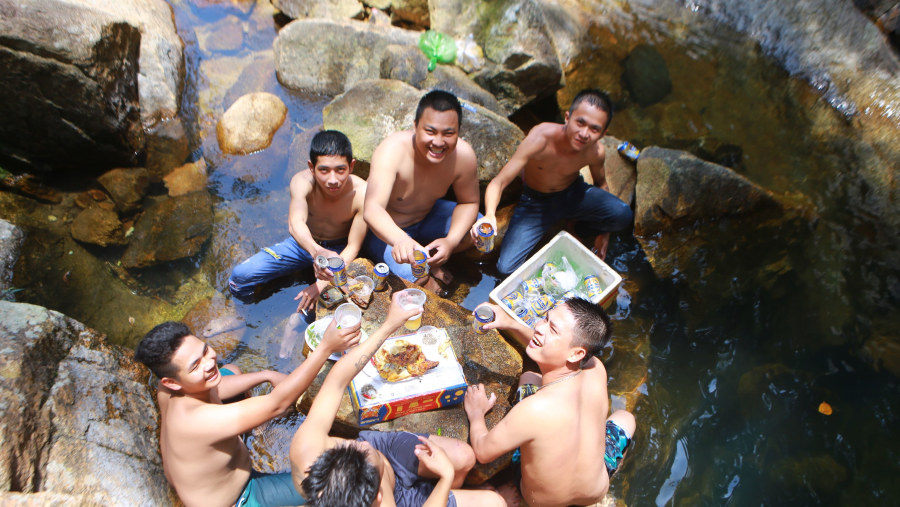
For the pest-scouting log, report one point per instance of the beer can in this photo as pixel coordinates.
(562, 299)
(336, 265)
(379, 275)
(512, 299)
(593, 289)
(542, 304)
(419, 264)
(485, 240)
(483, 315)
(322, 261)
(629, 151)
(525, 313)
(533, 284)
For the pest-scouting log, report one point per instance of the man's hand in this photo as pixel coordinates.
(442, 248)
(502, 320)
(397, 316)
(601, 243)
(491, 219)
(307, 296)
(402, 251)
(338, 340)
(324, 274)
(434, 458)
(477, 402)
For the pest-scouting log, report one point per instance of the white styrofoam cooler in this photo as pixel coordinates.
(583, 260)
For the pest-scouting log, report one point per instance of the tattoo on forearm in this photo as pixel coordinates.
(362, 361)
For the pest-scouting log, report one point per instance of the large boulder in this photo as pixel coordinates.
(250, 123)
(330, 57)
(360, 113)
(11, 239)
(172, 229)
(676, 189)
(335, 9)
(515, 36)
(77, 418)
(91, 87)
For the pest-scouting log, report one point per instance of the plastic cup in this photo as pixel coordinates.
(361, 290)
(410, 299)
(347, 315)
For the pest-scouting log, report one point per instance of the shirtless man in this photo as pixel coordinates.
(411, 172)
(203, 456)
(325, 218)
(550, 158)
(556, 422)
(379, 468)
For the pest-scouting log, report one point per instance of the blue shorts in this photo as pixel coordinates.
(263, 490)
(410, 490)
(436, 224)
(273, 262)
(616, 443)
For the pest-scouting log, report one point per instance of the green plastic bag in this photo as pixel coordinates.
(438, 47)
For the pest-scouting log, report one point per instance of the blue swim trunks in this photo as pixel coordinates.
(264, 490)
(616, 443)
(410, 490)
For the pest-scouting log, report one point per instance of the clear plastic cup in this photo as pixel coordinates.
(347, 315)
(410, 299)
(361, 289)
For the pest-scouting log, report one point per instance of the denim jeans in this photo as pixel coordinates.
(272, 262)
(436, 224)
(595, 210)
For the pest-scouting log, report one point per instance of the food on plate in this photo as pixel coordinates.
(400, 360)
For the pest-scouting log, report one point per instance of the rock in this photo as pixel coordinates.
(621, 175)
(298, 153)
(11, 240)
(190, 177)
(330, 57)
(91, 87)
(94, 197)
(98, 226)
(413, 12)
(454, 80)
(515, 37)
(647, 76)
(250, 123)
(257, 76)
(404, 63)
(167, 147)
(883, 352)
(172, 229)
(675, 189)
(358, 114)
(224, 35)
(821, 474)
(126, 186)
(208, 310)
(488, 359)
(378, 17)
(78, 416)
(30, 186)
(336, 9)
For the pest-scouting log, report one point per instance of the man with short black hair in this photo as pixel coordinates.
(203, 455)
(411, 172)
(556, 422)
(549, 160)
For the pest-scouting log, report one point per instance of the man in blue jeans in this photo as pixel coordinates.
(549, 160)
(411, 172)
(325, 218)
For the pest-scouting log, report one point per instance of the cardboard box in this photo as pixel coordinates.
(582, 260)
(441, 386)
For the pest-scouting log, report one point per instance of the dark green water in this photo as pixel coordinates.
(741, 343)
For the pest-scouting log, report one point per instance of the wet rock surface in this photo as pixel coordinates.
(647, 76)
(11, 239)
(98, 226)
(339, 9)
(190, 177)
(172, 229)
(127, 187)
(488, 359)
(250, 123)
(78, 416)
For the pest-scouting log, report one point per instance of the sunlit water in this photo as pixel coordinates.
(736, 367)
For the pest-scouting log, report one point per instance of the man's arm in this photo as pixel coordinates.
(437, 462)
(597, 166)
(533, 144)
(233, 385)
(511, 432)
(358, 227)
(465, 188)
(298, 213)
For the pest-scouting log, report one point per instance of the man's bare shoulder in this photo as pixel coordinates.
(397, 139)
(546, 131)
(595, 368)
(465, 155)
(302, 182)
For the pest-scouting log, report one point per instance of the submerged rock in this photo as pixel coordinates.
(190, 177)
(98, 226)
(167, 147)
(169, 230)
(11, 239)
(126, 186)
(78, 416)
(250, 123)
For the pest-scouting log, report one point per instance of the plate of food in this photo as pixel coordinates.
(400, 360)
(316, 330)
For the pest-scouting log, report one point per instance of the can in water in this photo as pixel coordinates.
(379, 275)
(512, 299)
(629, 151)
(593, 289)
(483, 315)
(541, 304)
(485, 240)
(525, 313)
(336, 265)
(419, 264)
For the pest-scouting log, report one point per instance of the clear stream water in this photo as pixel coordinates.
(744, 342)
